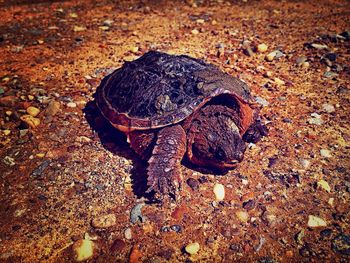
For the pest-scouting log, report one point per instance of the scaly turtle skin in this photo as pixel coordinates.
(170, 106)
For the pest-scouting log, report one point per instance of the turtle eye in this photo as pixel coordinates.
(220, 154)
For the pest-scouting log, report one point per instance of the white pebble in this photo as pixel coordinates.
(219, 191)
(192, 248)
(324, 185)
(328, 108)
(315, 119)
(279, 82)
(325, 153)
(83, 249)
(242, 216)
(262, 48)
(315, 221)
(319, 46)
(195, 32)
(71, 104)
(128, 233)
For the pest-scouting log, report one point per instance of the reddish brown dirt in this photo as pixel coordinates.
(73, 168)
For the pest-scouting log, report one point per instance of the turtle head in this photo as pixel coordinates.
(215, 140)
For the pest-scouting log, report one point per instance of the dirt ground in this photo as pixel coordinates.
(72, 189)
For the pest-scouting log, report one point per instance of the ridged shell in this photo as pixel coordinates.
(159, 89)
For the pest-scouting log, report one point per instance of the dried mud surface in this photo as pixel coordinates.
(73, 179)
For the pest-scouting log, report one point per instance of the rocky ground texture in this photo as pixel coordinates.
(71, 188)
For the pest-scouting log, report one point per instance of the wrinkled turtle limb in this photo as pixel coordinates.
(164, 173)
(255, 132)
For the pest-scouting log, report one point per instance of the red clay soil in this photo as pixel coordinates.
(72, 189)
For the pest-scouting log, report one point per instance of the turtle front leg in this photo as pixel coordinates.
(255, 132)
(164, 174)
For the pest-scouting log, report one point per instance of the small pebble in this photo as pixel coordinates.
(31, 121)
(249, 205)
(104, 221)
(246, 44)
(192, 248)
(219, 191)
(136, 214)
(195, 32)
(279, 82)
(271, 56)
(299, 237)
(268, 74)
(33, 111)
(235, 247)
(134, 49)
(71, 104)
(9, 161)
(242, 216)
(331, 201)
(83, 249)
(165, 229)
(6, 132)
(330, 74)
(315, 221)
(23, 132)
(319, 46)
(325, 153)
(79, 28)
(108, 22)
(193, 183)
(315, 119)
(73, 15)
(176, 228)
(262, 48)
(324, 185)
(104, 28)
(329, 108)
(128, 233)
(279, 54)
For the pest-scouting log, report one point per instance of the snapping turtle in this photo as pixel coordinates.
(169, 106)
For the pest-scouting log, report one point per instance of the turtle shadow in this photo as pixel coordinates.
(204, 170)
(115, 142)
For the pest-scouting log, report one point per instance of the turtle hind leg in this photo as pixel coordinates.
(164, 173)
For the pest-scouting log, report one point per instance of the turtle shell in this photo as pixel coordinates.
(159, 89)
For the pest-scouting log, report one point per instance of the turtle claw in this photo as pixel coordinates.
(164, 184)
